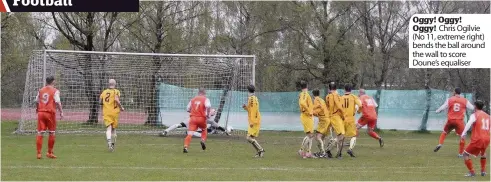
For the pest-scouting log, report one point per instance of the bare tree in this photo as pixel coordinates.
(82, 30)
(160, 26)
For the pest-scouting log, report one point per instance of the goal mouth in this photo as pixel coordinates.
(155, 88)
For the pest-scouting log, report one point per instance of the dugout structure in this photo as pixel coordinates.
(155, 88)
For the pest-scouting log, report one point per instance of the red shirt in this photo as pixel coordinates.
(480, 129)
(456, 108)
(198, 105)
(46, 99)
(368, 107)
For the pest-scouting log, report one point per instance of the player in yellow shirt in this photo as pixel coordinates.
(336, 117)
(254, 117)
(111, 106)
(320, 111)
(307, 119)
(351, 103)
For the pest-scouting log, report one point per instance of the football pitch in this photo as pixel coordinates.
(405, 156)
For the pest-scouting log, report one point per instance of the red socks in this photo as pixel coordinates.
(39, 143)
(442, 138)
(461, 146)
(373, 135)
(187, 140)
(468, 163)
(51, 143)
(204, 135)
(483, 164)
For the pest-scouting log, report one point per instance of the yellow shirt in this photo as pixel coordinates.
(109, 105)
(305, 103)
(350, 102)
(334, 104)
(320, 108)
(252, 108)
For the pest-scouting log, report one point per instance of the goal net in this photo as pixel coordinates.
(155, 88)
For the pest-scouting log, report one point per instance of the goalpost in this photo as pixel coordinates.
(155, 88)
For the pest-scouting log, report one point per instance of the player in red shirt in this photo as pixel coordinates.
(479, 121)
(369, 116)
(456, 106)
(48, 99)
(199, 110)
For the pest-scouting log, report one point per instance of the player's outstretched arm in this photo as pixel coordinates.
(58, 103)
(36, 102)
(207, 106)
(188, 108)
(358, 102)
(443, 107)
(248, 105)
(472, 120)
(469, 105)
(118, 102)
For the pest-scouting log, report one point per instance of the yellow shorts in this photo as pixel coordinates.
(323, 125)
(111, 120)
(337, 124)
(254, 130)
(307, 122)
(350, 126)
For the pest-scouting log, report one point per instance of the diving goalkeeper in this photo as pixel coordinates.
(212, 126)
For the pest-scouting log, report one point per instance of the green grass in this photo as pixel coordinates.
(406, 156)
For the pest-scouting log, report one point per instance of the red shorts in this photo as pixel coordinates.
(477, 147)
(456, 124)
(370, 122)
(46, 121)
(197, 122)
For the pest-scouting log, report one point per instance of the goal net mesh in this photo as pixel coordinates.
(155, 88)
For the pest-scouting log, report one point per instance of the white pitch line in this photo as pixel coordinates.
(228, 168)
(286, 137)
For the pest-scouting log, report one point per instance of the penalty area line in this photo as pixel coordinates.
(362, 169)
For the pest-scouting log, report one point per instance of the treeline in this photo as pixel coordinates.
(363, 43)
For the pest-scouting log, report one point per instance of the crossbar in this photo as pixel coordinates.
(152, 54)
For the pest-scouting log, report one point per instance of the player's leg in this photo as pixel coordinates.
(322, 131)
(40, 132)
(309, 129)
(371, 131)
(173, 127)
(468, 164)
(459, 128)
(361, 123)
(332, 141)
(310, 140)
(204, 133)
(197, 134)
(338, 127)
(320, 143)
(51, 125)
(351, 133)
(250, 137)
(191, 130)
(471, 149)
(113, 131)
(108, 121)
(252, 134)
(483, 161)
(305, 140)
(215, 125)
(446, 129)
(109, 128)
